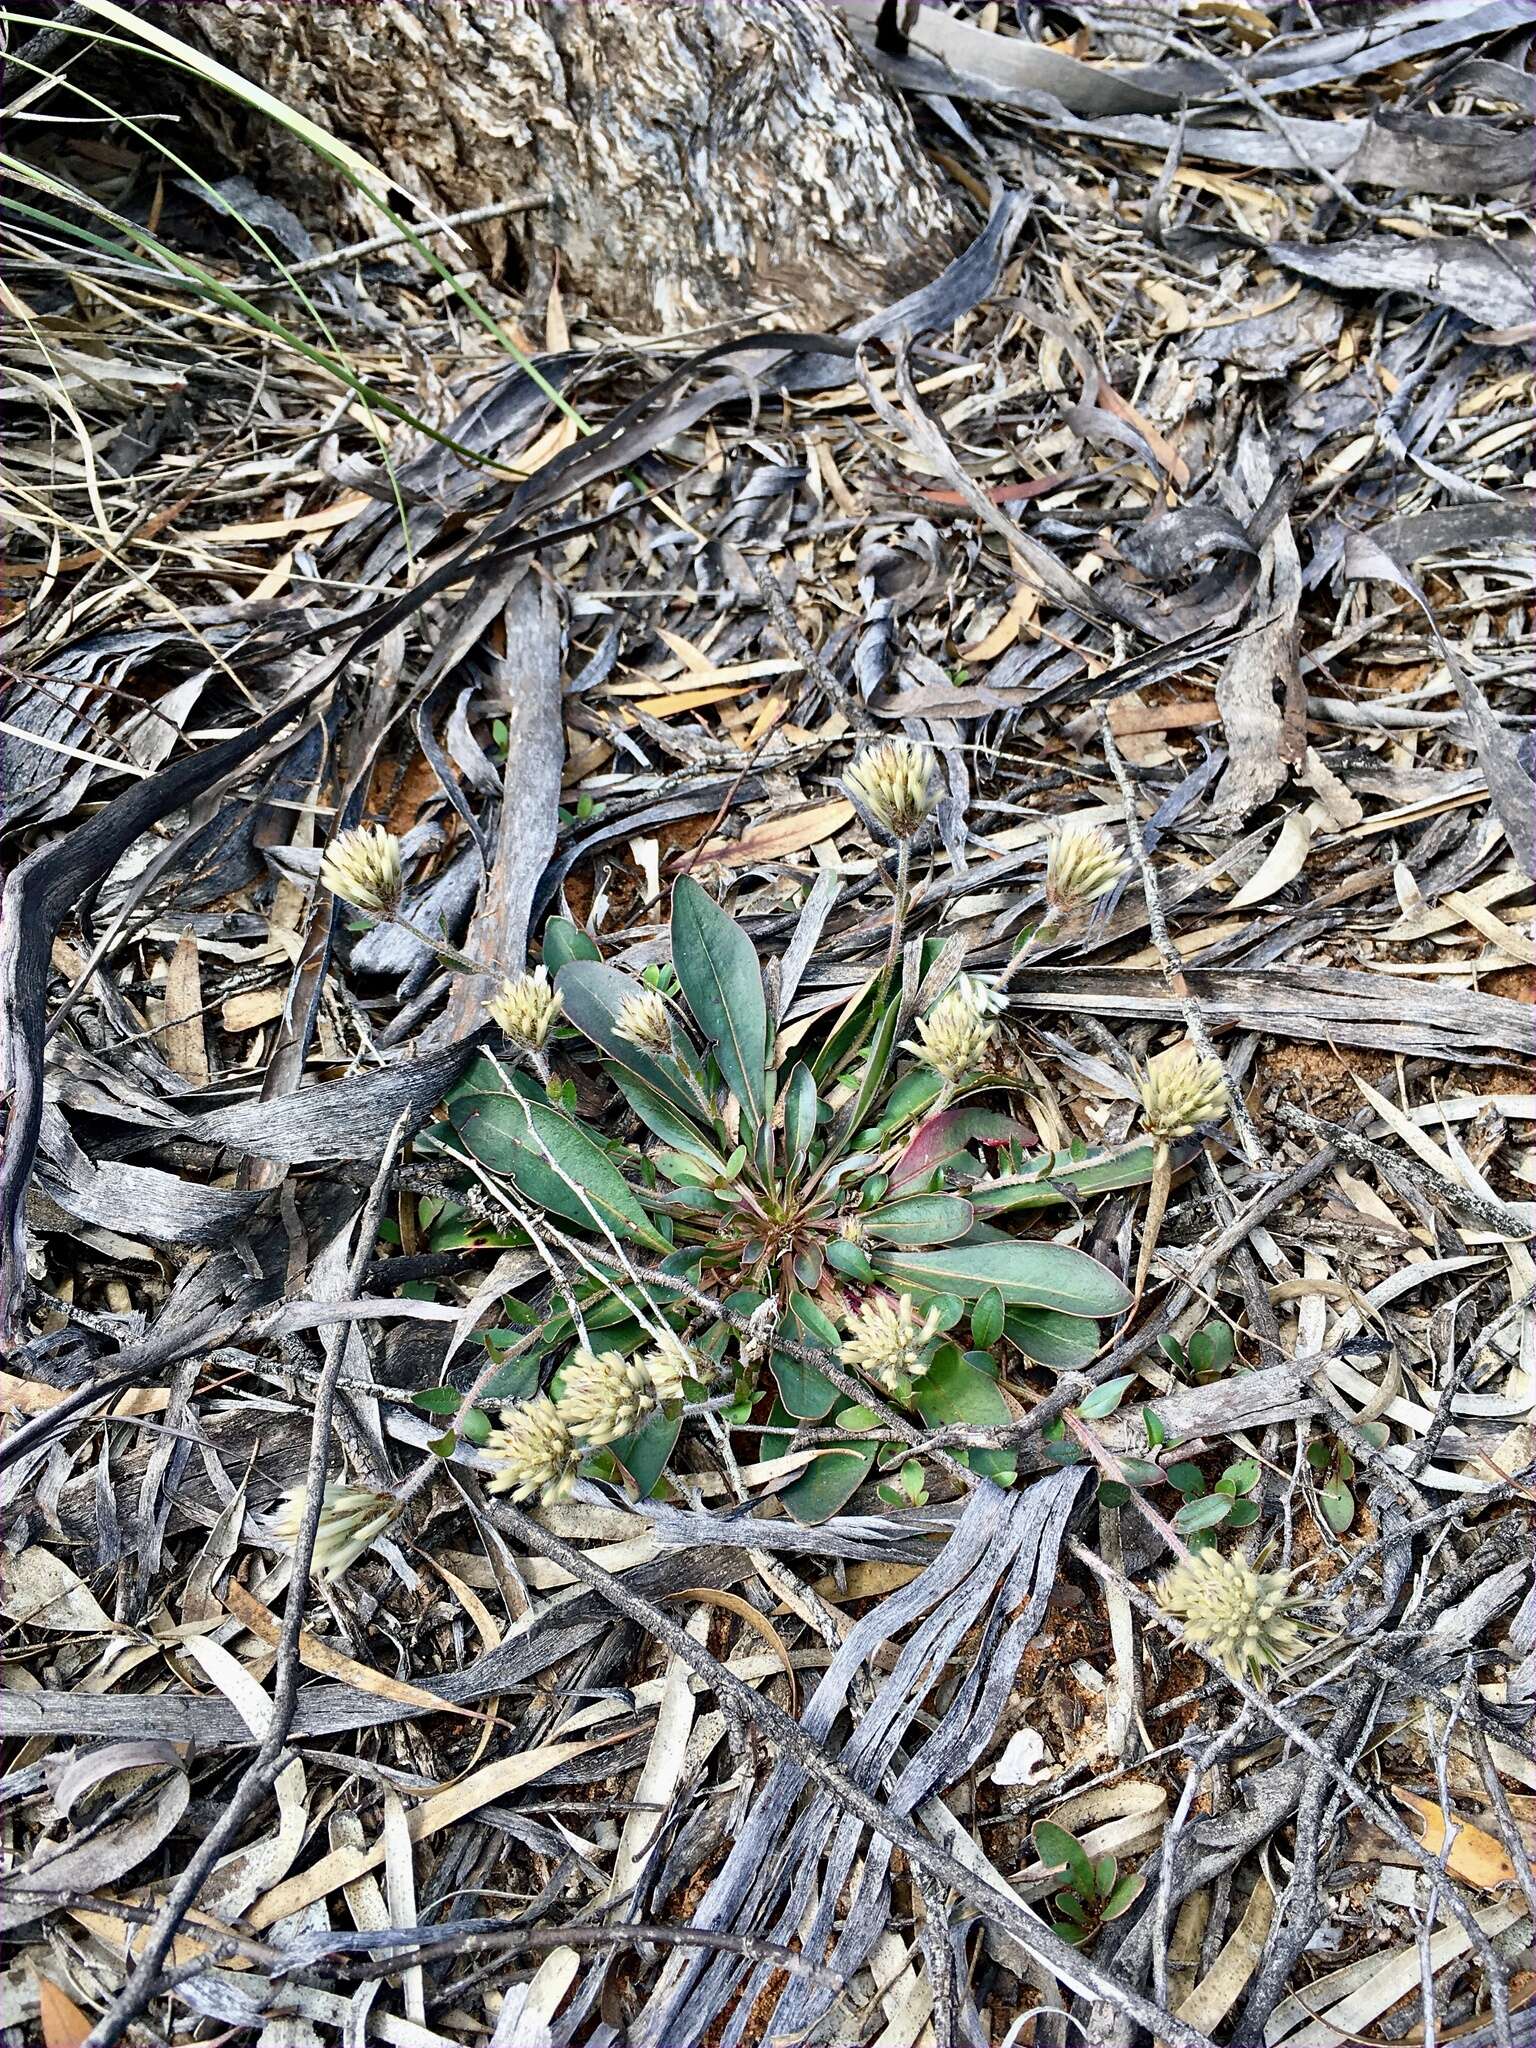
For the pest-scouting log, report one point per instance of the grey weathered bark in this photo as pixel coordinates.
(704, 158)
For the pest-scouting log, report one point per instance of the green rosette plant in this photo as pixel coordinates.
(852, 1194)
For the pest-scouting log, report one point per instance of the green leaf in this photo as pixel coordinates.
(1212, 1350)
(922, 1220)
(1242, 1514)
(644, 1455)
(1065, 1931)
(1203, 1513)
(1338, 1506)
(988, 1320)
(1058, 1177)
(1171, 1349)
(1186, 1476)
(846, 1257)
(1243, 1475)
(555, 1163)
(1139, 1472)
(1112, 1494)
(717, 965)
(1124, 1896)
(1104, 1876)
(856, 1417)
(851, 1119)
(564, 942)
(804, 1392)
(443, 1446)
(518, 1380)
(658, 1114)
(1062, 1454)
(800, 1107)
(953, 1391)
(828, 1483)
(1026, 1272)
(1058, 1850)
(1157, 1434)
(847, 1034)
(594, 995)
(1105, 1399)
(1062, 1342)
(438, 1400)
(1072, 1909)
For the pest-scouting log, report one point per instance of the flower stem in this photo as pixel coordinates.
(1016, 960)
(898, 917)
(448, 955)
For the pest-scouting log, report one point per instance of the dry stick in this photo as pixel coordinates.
(1173, 965)
(269, 1760)
(1359, 1795)
(789, 1739)
(1466, 1203)
(518, 202)
(1509, 1830)
(795, 642)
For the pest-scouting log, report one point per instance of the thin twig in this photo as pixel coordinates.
(517, 202)
(796, 644)
(1473, 1208)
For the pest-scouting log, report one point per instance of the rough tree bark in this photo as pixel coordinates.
(704, 158)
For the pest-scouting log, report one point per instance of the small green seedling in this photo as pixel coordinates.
(1333, 1467)
(1093, 1894)
(907, 1489)
(1225, 1506)
(1209, 1353)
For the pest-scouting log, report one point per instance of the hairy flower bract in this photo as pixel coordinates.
(897, 783)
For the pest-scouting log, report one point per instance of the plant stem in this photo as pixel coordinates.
(1016, 960)
(898, 918)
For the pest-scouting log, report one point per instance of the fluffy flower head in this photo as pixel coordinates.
(1242, 1616)
(1180, 1090)
(642, 1020)
(362, 867)
(952, 1037)
(897, 783)
(526, 1009)
(886, 1340)
(669, 1362)
(351, 1519)
(606, 1396)
(534, 1452)
(1082, 864)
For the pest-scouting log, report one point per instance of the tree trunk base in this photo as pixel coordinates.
(706, 160)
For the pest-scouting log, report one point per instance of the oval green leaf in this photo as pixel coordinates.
(554, 1163)
(717, 965)
(1025, 1272)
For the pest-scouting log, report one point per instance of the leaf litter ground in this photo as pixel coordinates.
(1193, 496)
